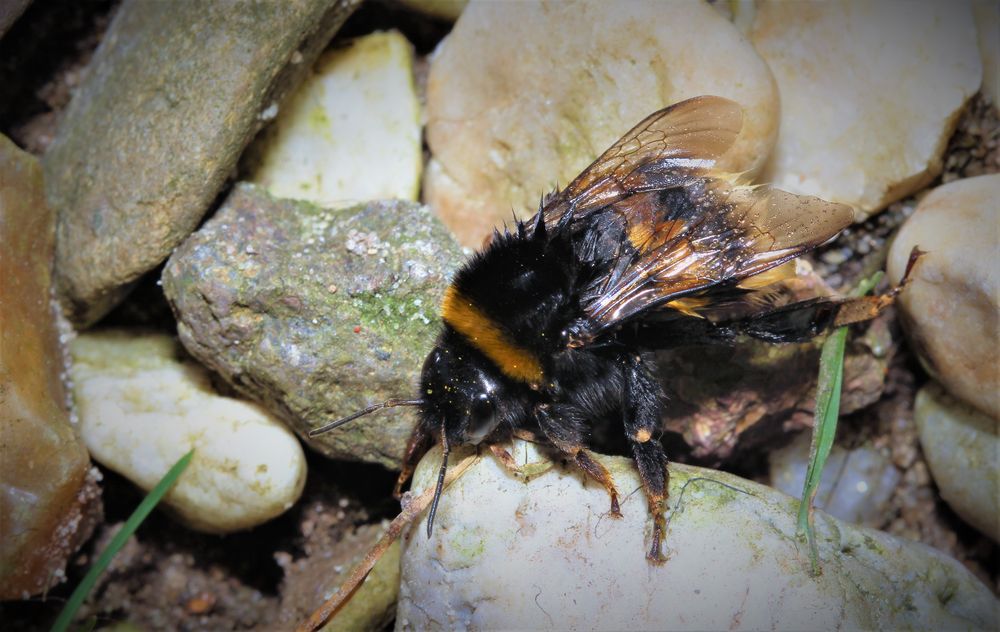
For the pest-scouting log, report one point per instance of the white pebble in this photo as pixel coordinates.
(141, 409)
(352, 130)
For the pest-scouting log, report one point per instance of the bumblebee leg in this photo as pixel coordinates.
(805, 320)
(416, 447)
(600, 474)
(643, 405)
(564, 427)
(798, 322)
(506, 459)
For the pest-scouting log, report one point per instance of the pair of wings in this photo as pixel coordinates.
(693, 233)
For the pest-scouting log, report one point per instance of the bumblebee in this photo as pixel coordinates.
(552, 325)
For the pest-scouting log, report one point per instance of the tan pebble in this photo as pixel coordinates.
(522, 96)
(201, 603)
(870, 93)
(961, 445)
(951, 310)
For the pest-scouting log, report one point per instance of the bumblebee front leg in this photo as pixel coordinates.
(643, 407)
(506, 459)
(416, 447)
(564, 426)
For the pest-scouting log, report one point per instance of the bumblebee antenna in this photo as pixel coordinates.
(389, 403)
(440, 482)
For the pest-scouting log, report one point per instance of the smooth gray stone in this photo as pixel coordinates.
(962, 447)
(174, 93)
(10, 10)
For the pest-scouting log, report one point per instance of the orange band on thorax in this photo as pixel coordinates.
(488, 337)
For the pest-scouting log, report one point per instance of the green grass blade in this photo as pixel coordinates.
(831, 378)
(133, 522)
(828, 388)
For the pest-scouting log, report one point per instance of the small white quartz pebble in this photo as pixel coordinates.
(141, 407)
(352, 131)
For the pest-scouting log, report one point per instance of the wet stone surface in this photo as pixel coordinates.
(316, 313)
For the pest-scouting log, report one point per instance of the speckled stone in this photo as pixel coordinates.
(314, 312)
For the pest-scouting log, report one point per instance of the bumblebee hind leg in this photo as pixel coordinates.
(801, 321)
(643, 405)
(564, 426)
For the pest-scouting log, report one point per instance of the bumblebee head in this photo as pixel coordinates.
(464, 399)
(462, 394)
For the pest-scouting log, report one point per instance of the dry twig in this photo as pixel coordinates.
(411, 511)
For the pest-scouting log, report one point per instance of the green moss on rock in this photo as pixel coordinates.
(316, 312)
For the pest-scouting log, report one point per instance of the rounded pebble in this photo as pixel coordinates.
(962, 446)
(141, 408)
(951, 309)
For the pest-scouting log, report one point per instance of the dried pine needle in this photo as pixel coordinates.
(411, 511)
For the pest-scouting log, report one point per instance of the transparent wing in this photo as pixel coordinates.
(660, 222)
(707, 235)
(662, 151)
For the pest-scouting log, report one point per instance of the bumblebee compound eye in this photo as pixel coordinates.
(482, 418)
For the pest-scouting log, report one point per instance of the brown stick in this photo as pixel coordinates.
(411, 511)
